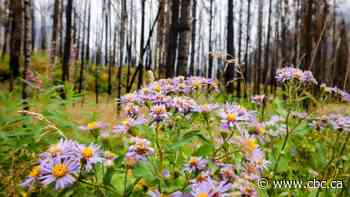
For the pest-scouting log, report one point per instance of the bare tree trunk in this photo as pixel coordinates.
(193, 37)
(240, 35)
(210, 57)
(123, 22)
(172, 42)
(184, 41)
(68, 43)
(54, 39)
(16, 8)
(140, 81)
(161, 28)
(342, 57)
(6, 30)
(246, 56)
(307, 34)
(82, 57)
(267, 49)
(230, 69)
(259, 52)
(26, 50)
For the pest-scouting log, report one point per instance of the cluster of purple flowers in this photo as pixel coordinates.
(290, 73)
(140, 150)
(336, 92)
(62, 163)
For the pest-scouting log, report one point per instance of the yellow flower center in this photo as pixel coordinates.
(251, 144)
(202, 194)
(126, 122)
(35, 171)
(231, 117)
(91, 125)
(193, 162)
(157, 88)
(59, 170)
(261, 130)
(88, 152)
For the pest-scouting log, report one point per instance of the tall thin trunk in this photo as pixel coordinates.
(240, 35)
(82, 56)
(267, 50)
(140, 81)
(210, 57)
(6, 30)
(193, 37)
(16, 8)
(123, 23)
(184, 40)
(259, 52)
(68, 42)
(26, 50)
(230, 69)
(54, 39)
(246, 56)
(172, 41)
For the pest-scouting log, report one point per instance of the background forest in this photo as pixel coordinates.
(180, 98)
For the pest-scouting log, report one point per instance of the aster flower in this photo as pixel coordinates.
(32, 178)
(159, 113)
(258, 157)
(139, 150)
(248, 144)
(91, 155)
(251, 171)
(210, 188)
(183, 105)
(64, 147)
(339, 122)
(196, 164)
(259, 128)
(58, 170)
(131, 110)
(247, 189)
(227, 172)
(290, 73)
(233, 114)
(206, 108)
(93, 126)
(308, 77)
(128, 124)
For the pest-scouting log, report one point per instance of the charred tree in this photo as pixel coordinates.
(184, 40)
(172, 42)
(230, 69)
(26, 51)
(16, 9)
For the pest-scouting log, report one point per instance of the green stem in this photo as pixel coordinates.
(160, 153)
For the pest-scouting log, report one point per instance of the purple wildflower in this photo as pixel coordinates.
(91, 155)
(233, 114)
(60, 170)
(159, 113)
(139, 150)
(32, 178)
(210, 188)
(196, 164)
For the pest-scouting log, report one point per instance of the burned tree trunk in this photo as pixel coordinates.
(16, 8)
(172, 42)
(26, 50)
(184, 41)
(230, 69)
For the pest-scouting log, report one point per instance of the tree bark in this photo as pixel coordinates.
(16, 8)
(230, 69)
(184, 40)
